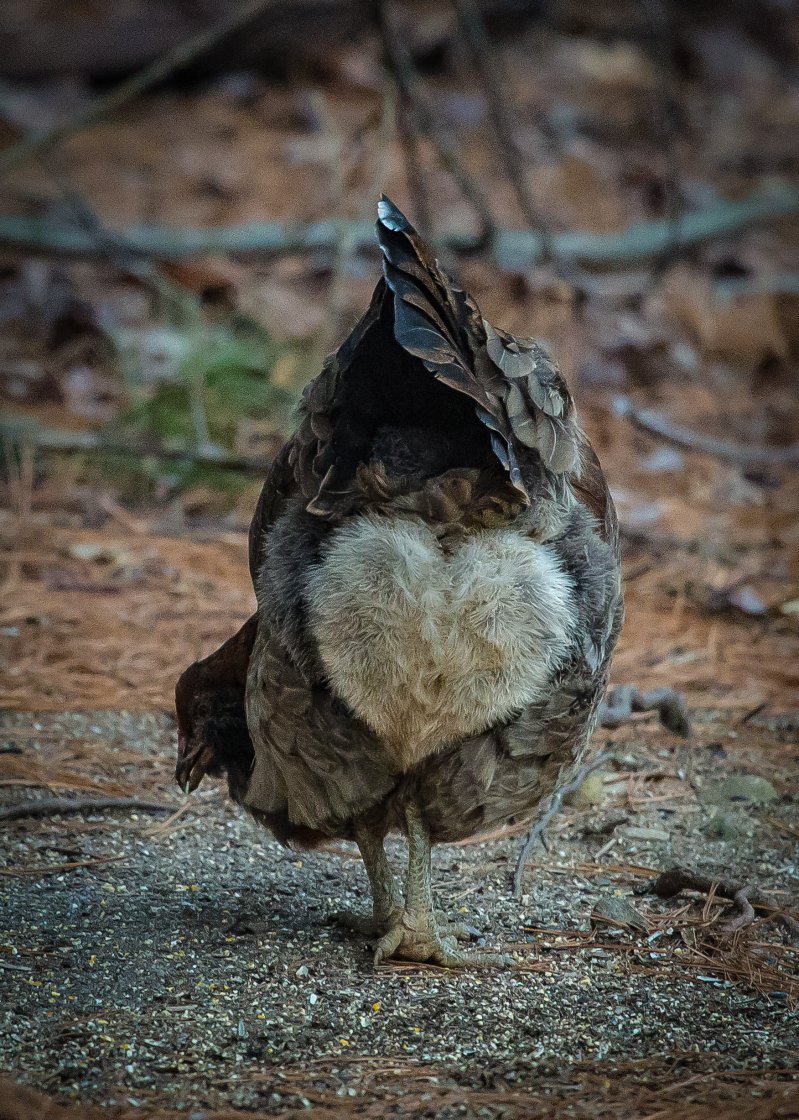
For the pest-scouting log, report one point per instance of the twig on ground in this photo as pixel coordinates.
(58, 440)
(163, 67)
(400, 65)
(551, 810)
(515, 249)
(167, 826)
(621, 702)
(747, 900)
(651, 422)
(64, 806)
(742, 913)
(58, 868)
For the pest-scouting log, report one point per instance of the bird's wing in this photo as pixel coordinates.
(591, 488)
(280, 483)
(316, 766)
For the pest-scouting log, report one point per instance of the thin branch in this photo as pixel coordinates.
(515, 249)
(651, 422)
(488, 67)
(177, 58)
(64, 806)
(662, 35)
(399, 63)
(414, 173)
(746, 898)
(776, 284)
(87, 442)
(553, 807)
(343, 192)
(622, 701)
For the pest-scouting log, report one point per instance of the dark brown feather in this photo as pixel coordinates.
(426, 412)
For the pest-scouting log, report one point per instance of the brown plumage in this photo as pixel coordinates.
(435, 559)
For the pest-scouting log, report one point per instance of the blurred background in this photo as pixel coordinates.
(187, 195)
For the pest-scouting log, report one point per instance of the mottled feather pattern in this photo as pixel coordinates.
(429, 433)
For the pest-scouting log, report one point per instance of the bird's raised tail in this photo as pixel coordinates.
(423, 360)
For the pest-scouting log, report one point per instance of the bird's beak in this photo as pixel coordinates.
(181, 772)
(192, 764)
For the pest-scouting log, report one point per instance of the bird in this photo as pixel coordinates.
(435, 560)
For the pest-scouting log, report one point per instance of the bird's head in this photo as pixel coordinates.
(213, 737)
(211, 726)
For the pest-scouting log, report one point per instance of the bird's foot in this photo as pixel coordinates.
(459, 930)
(372, 928)
(425, 942)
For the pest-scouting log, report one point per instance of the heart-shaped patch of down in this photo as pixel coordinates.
(429, 647)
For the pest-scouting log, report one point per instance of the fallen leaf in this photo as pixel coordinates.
(591, 792)
(743, 330)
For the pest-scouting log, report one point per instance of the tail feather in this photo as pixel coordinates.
(420, 318)
(519, 389)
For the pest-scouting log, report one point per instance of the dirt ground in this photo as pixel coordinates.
(182, 960)
(192, 962)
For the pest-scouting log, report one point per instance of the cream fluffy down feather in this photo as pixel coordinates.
(430, 646)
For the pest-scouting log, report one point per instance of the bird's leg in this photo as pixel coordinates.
(415, 934)
(386, 898)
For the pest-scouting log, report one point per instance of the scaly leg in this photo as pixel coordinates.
(386, 898)
(414, 935)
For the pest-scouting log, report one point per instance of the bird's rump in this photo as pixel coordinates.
(430, 645)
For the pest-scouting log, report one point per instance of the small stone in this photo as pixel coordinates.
(657, 835)
(740, 787)
(590, 792)
(722, 826)
(617, 911)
